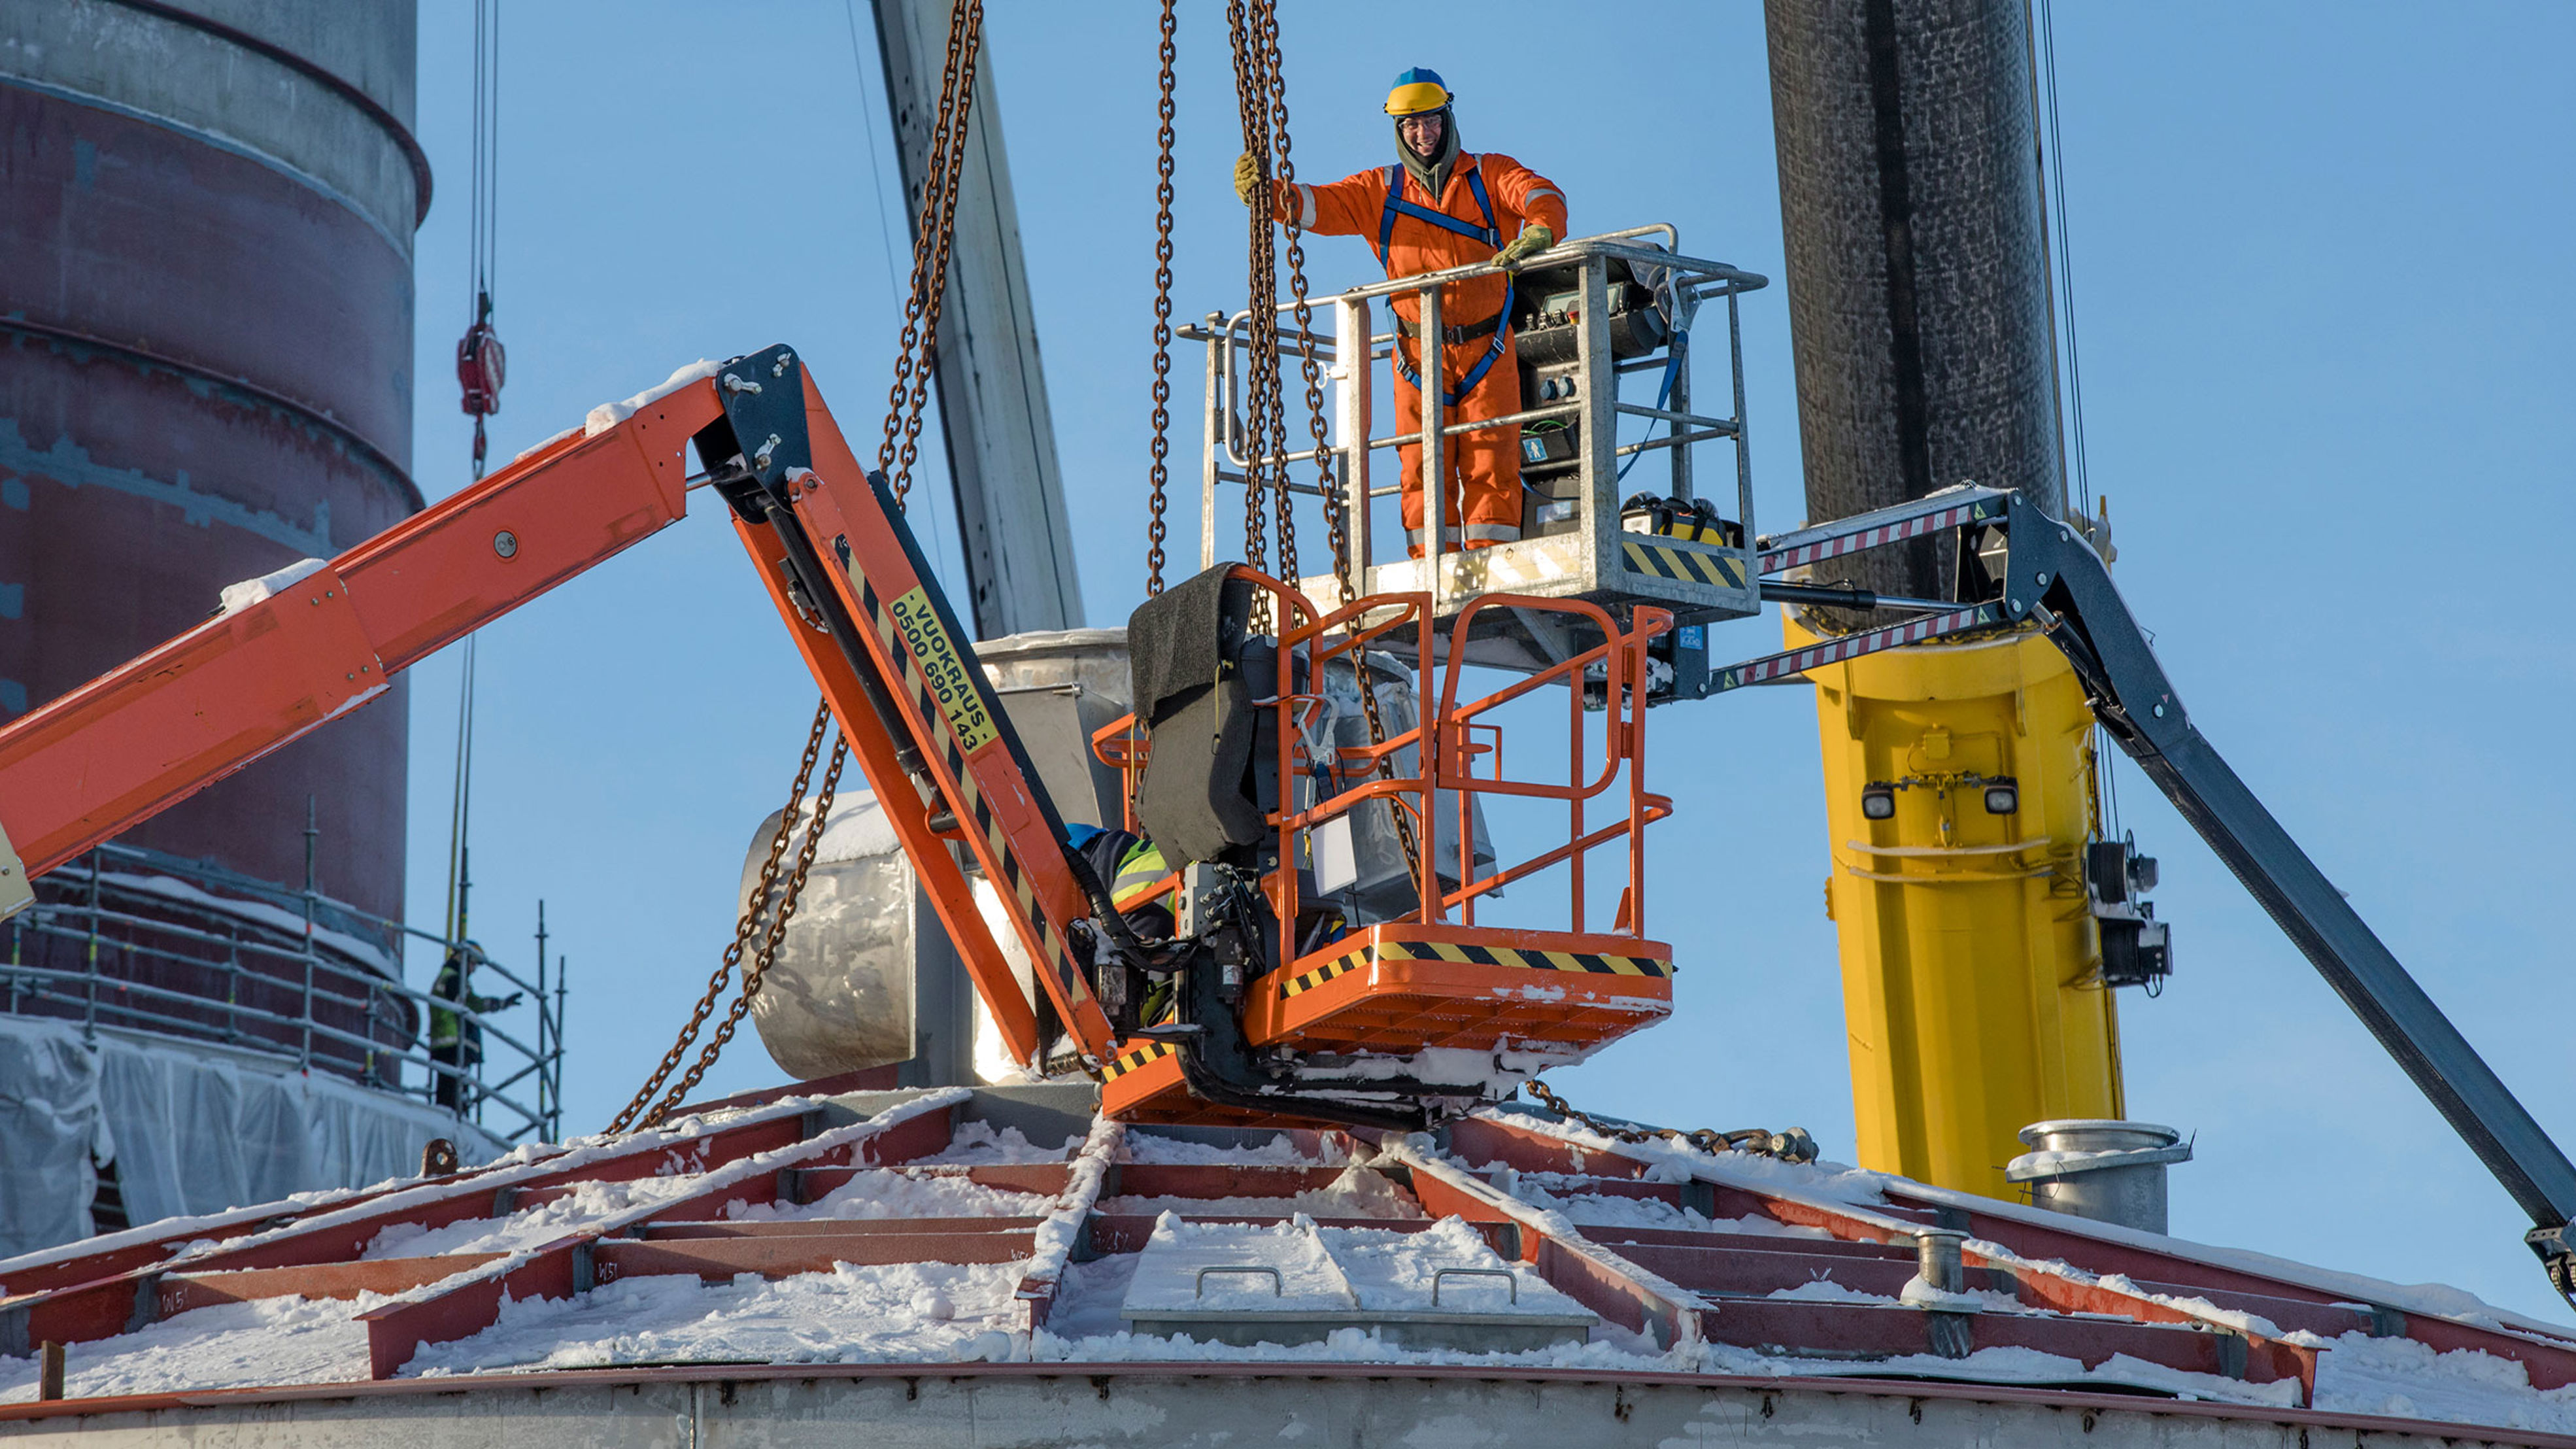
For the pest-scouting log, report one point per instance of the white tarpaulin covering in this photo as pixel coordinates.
(191, 1130)
(49, 1125)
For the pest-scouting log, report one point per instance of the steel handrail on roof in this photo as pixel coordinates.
(295, 987)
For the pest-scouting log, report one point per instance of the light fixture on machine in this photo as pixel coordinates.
(2000, 794)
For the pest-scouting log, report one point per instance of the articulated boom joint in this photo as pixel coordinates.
(2017, 565)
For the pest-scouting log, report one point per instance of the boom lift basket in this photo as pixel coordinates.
(1411, 999)
(1284, 1003)
(1592, 311)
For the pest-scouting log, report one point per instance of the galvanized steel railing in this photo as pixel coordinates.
(139, 940)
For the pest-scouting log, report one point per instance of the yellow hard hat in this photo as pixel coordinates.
(1416, 91)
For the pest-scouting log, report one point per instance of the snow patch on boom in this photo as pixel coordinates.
(609, 415)
(240, 596)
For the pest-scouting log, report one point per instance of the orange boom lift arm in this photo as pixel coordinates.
(870, 622)
(1367, 1022)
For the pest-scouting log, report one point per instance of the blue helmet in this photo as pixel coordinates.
(1417, 92)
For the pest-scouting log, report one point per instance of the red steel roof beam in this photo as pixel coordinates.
(559, 1269)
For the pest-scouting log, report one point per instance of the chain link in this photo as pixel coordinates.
(758, 970)
(1155, 530)
(906, 400)
(1275, 92)
(941, 171)
(1261, 331)
(743, 928)
(1273, 82)
(1793, 1145)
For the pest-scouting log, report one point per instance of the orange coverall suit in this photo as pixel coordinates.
(1483, 500)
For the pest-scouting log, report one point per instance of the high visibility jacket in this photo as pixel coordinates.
(444, 1022)
(1357, 206)
(447, 1027)
(1139, 872)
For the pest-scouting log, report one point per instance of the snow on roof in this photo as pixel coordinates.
(1009, 1225)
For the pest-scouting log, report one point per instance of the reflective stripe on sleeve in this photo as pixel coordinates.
(1474, 533)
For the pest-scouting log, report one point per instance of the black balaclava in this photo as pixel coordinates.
(1434, 173)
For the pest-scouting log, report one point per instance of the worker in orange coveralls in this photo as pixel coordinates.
(1443, 207)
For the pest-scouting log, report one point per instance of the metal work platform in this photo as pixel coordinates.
(1589, 314)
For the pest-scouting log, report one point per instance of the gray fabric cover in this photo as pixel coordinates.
(1183, 649)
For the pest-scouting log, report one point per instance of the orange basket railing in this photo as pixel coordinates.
(1621, 658)
(1444, 746)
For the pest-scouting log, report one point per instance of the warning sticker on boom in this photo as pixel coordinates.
(943, 671)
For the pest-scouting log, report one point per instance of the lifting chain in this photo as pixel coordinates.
(635, 1114)
(905, 401)
(1155, 531)
(1272, 104)
(940, 172)
(1261, 324)
(1793, 1145)
(758, 970)
(1265, 16)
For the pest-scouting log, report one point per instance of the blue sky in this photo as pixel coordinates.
(2319, 259)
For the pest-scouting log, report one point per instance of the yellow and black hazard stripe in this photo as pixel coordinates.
(1686, 565)
(1125, 1062)
(1461, 953)
(943, 722)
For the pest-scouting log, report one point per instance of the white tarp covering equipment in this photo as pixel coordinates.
(190, 1129)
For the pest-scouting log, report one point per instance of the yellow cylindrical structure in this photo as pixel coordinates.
(1971, 966)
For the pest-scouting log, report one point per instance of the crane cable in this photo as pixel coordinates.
(480, 369)
(905, 401)
(481, 365)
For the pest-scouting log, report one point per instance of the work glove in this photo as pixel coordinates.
(1247, 175)
(1533, 239)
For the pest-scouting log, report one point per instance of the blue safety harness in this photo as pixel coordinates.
(1490, 234)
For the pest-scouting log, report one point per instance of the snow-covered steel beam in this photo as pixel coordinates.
(122, 1296)
(471, 1302)
(88, 1261)
(1600, 1280)
(2066, 1264)
(2278, 1290)
(815, 1250)
(182, 1292)
(1061, 1235)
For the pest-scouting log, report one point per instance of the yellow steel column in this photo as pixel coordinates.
(1971, 986)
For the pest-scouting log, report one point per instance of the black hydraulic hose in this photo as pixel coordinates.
(2096, 678)
(1834, 598)
(1105, 913)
